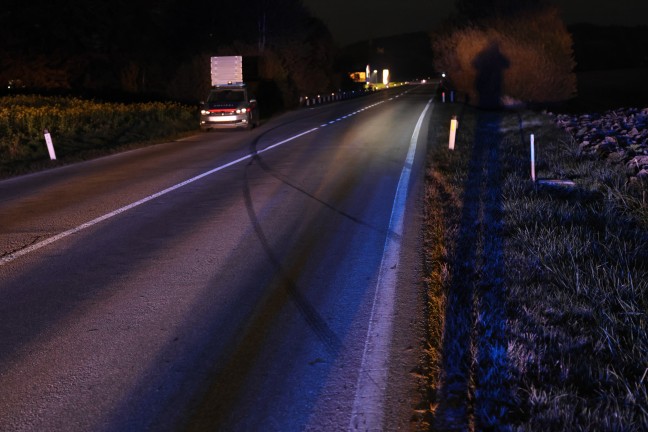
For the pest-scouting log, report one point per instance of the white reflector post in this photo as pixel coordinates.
(50, 145)
(453, 132)
(533, 174)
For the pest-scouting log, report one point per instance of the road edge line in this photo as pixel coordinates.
(367, 412)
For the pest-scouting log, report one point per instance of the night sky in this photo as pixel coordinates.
(351, 21)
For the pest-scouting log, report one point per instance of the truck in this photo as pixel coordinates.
(229, 103)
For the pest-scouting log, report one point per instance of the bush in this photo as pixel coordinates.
(527, 57)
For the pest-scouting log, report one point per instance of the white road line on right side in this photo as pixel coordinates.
(368, 406)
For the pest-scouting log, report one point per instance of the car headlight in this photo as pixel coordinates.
(241, 111)
(204, 112)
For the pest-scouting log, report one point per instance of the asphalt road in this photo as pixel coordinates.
(222, 282)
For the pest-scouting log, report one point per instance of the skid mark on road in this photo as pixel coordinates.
(6, 259)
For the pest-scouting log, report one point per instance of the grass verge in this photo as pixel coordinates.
(81, 129)
(537, 295)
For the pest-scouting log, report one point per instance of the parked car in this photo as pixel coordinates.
(229, 106)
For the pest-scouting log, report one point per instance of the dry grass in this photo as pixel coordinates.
(544, 290)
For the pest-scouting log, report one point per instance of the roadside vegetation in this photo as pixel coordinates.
(525, 45)
(537, 294)
(81, 128)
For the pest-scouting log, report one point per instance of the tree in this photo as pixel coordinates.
(151, 46)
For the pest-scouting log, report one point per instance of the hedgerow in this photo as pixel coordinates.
(78, 125)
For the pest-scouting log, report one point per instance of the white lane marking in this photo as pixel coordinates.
(13, 255)
(367, 414)
(17, 254)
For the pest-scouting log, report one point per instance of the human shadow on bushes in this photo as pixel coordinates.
(490, 64)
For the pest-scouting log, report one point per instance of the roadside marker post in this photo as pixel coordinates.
(453, 132)
(533, 174)
(50, 145)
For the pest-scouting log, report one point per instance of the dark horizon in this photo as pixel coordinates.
(351, 22)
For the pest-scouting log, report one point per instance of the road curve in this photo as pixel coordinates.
(222, 282)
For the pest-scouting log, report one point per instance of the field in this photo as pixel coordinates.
(537, 294)
(81, 128)
(609, 89)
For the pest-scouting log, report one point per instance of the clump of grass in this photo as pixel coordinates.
(438, 195)
(578, 323)
(572, 267)
(79, 126)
